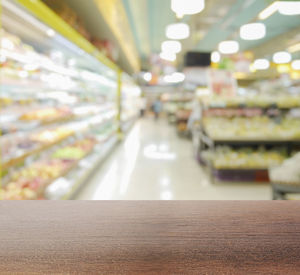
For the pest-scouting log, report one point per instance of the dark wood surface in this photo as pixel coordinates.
(149, 237)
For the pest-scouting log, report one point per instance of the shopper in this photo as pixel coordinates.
(143, 106)
(157, 106)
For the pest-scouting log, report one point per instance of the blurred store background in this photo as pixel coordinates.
(150, 99)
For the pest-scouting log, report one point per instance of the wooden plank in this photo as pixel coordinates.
(155, 237)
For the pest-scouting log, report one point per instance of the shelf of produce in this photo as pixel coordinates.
(85, 170)
(281, 189)
(56, 120)
(41, 191)
(24, 84)
(74, 165)
(71, 164)
(237, 174)
(13, 162)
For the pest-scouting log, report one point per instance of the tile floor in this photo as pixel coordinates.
(153, 163)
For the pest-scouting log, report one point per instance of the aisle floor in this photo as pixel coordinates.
(153, 163)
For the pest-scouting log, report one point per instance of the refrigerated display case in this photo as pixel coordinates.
(59, 111)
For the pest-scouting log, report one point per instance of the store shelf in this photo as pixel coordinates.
(246, 135)
(264, 108)
(14, 162)
(241, 175)
(92, 78)
(79, 178)
(281, 191)
(252, 141)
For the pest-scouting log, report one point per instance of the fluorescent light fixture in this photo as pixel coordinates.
(182, 7)
(229, 47)
(283, 7)
(171, 46)
(174, 78)
(289, 7)
(296, 64)
(253, 31)
(168, 56)
(50, 32)
(178, 31)
(282, 57)
(215, 57)
(261, 64)
(294, 48)
(267, 12)
(147, 76)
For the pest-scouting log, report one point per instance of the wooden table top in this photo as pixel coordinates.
(150, 237)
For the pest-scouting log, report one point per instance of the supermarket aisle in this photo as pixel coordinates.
(153, 163)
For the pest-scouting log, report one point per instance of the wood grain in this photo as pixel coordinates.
(149, 237)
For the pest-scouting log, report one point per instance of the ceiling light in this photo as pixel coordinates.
(261, 64)
(282, 57)
(294, 48)
(289, 7)
(268, 11)
(182, 7)
(229, 47)
(171, 46)
(215, 57)
(253, 31)
(178, 31)
(296, 64)
(50, 32)
(147, 76)
(169, 56)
